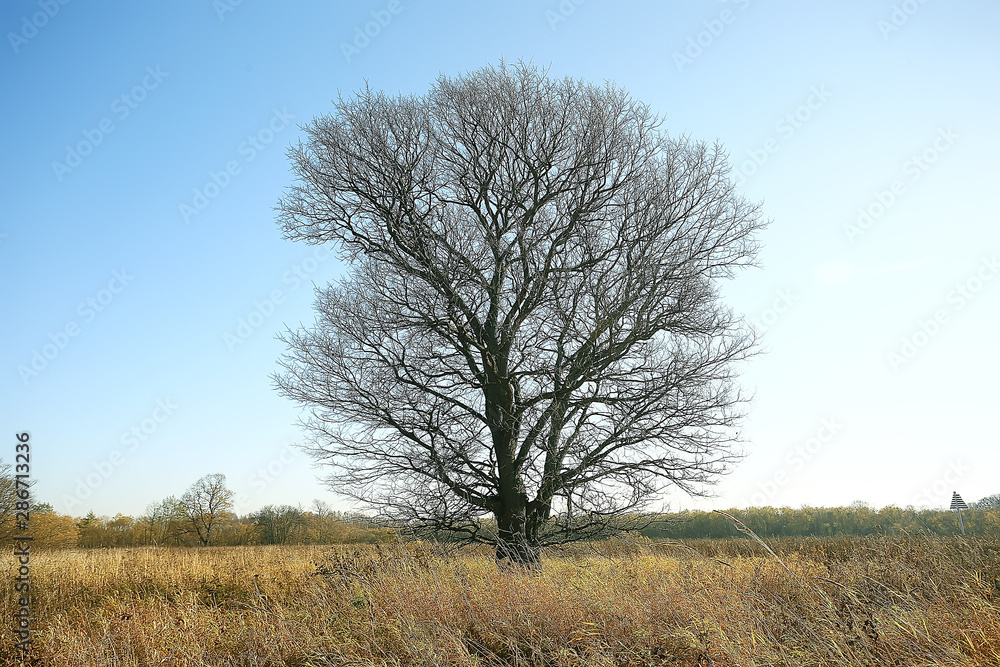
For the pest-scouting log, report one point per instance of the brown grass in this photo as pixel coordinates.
(914, 601)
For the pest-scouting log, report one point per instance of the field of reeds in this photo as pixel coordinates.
(833, 601)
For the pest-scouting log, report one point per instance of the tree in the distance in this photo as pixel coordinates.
(987, 503)
(164, 520)
(89, 531)
(275, 524)
(529, 341)
(8, 503)
(206, 503)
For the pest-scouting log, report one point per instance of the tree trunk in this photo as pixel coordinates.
(517, 531)
(517, 536)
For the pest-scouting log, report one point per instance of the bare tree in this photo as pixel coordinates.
(167, 518)
(321, 508)
(206, 503)
(531, 316)
(275, 524)
(8, 503)
(987, 503)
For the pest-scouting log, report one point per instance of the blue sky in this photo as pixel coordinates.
(146, 277)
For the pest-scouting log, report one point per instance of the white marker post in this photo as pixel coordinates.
(958, 504)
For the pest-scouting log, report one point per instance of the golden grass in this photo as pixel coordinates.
(914, 601)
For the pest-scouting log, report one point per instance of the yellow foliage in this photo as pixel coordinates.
(53, 530)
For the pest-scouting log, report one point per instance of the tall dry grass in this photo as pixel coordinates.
(914, 601)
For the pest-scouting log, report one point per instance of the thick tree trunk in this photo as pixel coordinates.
(517, 536)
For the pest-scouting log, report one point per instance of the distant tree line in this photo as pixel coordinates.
(982, 518)
(284, 524)
(203, 516)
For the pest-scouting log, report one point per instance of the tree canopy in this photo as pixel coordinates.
(530, 329)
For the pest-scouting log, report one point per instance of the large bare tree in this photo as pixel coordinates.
(529, 339)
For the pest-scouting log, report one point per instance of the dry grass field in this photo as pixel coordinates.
(851, 601)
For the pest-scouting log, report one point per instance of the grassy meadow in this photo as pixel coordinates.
(812, 601)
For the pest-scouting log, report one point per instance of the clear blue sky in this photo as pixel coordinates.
(121, 305)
